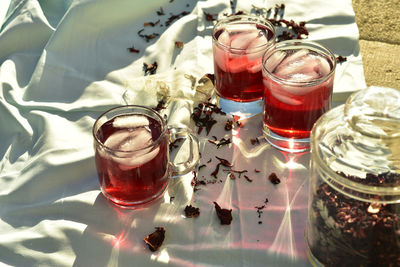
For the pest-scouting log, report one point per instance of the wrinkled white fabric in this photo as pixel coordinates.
(63, 63)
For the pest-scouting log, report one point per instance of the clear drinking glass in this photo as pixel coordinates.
(354, 194)
(239, 42)
(298, 82)
(132, 154)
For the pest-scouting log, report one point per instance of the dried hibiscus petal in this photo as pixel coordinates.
(173, 17)
(133, 49)
(152, 24)
(273, 178)
(191, 212)
(160, 12)
(150, 69)
(224, 162)
(248, 179)
(210, 17)
(224, 215)
(215, 172)
(155, 239)
(228, 125)
(254, 141)
(147, 37)
(236, 171)
(179, 44)
(340, 59)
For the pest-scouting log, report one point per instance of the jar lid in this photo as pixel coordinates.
(357, 145)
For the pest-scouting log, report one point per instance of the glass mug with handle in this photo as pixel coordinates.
(132, 154)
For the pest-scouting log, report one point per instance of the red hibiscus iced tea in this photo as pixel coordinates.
(298, 82)
(238, 45)
(137, 168)
(132, 154)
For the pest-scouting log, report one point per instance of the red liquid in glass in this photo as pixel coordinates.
(291, 111)
(238, 72)
(296, 121)
(141, 177)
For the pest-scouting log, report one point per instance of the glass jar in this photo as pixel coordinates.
(354, 194)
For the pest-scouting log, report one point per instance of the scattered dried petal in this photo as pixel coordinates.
(254, 141)
(224, 162)
(201, 166)
(191, 212)
(210, 17)
(224, 215)
(273, 178)
(215, 172)
(340, 59)
(147, 37)
(228, 125)
(133, 49)
(152, 24)
(150, 69)
(236, 171)
(248, 179)
(155, 239)
(160, 12)
(179, 44)
(173, 17)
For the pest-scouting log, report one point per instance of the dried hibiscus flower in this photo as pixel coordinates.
(173, 17)
(147, 37)
(224, 162)
(133, 49)
(150, 69)
(224, 215)
(340, 59)
(179, 44)
(273, 178)
(152, 24)
(210, 17)
(155, 239)
(160, 12)
(191, 212)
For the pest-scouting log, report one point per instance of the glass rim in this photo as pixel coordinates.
(96, 126)
(316, 155)
(250, 19)
(300, 43)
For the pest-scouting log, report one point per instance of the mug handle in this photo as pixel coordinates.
(176, 133)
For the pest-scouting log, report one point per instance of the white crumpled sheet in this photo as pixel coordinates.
(62, 63)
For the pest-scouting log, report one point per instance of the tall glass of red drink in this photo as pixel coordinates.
(298, 82)
(132, 154)
(239, 42)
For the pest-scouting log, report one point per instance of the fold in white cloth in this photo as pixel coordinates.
(62, 63)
